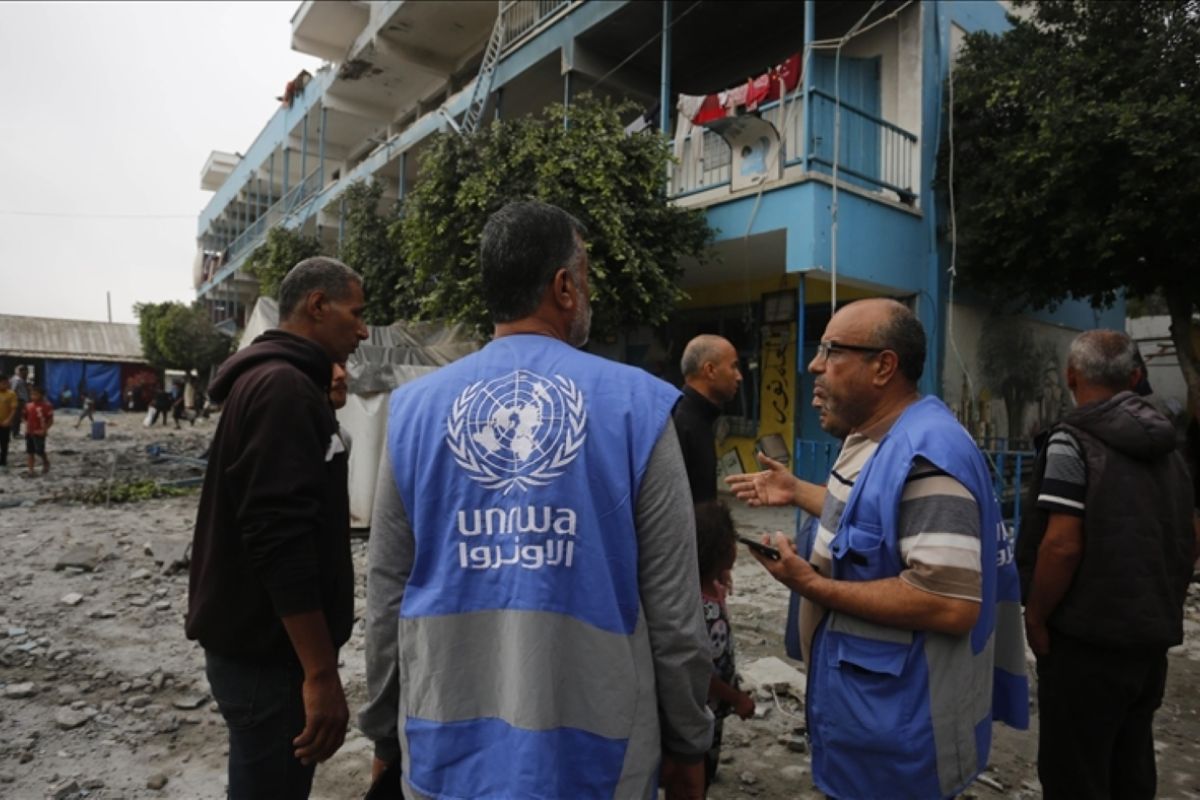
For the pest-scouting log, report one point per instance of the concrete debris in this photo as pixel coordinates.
(71, 718)
(156, 781)
(66, 790)
(72, 599)
(19, 691)
(85, 557)
(772, 673)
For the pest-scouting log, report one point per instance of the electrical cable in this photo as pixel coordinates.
(85, 215)
(643, 46)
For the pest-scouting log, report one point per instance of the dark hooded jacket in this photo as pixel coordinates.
(1130, 586)
(273, 526)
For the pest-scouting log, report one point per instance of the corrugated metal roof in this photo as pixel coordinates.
(69, 339)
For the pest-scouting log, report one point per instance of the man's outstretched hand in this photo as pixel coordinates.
(774, 486)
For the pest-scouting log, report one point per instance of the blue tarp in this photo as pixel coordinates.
(79, 376)
(104, 379)
(62, 375)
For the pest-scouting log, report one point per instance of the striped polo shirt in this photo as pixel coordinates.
(939, 529)
(1064, 483)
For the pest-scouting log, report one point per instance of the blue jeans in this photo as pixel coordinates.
(263, 709)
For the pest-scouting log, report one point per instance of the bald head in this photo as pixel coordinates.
(710, 366)
(891, 325)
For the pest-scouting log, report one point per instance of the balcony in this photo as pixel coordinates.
(871, 152)
(522, 17)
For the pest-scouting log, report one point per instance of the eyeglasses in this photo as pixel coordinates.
(825, 348)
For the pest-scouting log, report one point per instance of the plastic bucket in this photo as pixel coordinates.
(97, 429)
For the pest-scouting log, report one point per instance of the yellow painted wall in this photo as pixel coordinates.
(778, 411)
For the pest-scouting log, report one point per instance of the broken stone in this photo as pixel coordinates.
(72, 599)
(63, 791)
(83, 557)
(15, 632)
(139, 574)
(92, 784)
(156, 781)
(71, 718)
(189, 702)
(102, 613)
(141, 701)
(19, 691)
(771, 673)
(748, 778)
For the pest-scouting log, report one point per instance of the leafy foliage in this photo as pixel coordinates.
(175, 336)
(1077, 158)
(368, 249)
(612, 182)
(282, 250)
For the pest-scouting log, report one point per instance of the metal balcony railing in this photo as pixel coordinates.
(522, 16)
(872, 150)
(256, 232)
(872, 153)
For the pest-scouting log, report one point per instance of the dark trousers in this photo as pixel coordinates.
(264, 711)
(1096, 708)
(4, 434)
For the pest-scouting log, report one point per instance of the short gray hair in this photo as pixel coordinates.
(319, 273)
(1104, 358)
(700, 351)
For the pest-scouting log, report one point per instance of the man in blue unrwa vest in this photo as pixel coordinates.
(533, 624)
(910, 620)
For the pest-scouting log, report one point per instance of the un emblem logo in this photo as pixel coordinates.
(517, 431)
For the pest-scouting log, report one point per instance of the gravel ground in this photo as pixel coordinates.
(102, 696)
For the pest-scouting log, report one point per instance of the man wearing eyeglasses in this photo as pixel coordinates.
(910, 622)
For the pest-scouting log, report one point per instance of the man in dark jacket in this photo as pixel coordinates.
(271, 591)
(710, 380)
(1105, 560)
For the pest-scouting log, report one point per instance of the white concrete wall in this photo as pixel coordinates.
(1153, 336)
(966, 327)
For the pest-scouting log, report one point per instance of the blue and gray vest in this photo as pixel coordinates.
(525, 664)
(908, 714)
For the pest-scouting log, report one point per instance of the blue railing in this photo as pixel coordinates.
(872, 152)
(1010, 471)
(256, 231)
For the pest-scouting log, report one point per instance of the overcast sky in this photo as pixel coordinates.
(108, 112)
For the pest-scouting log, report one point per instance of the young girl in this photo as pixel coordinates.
(716, 547)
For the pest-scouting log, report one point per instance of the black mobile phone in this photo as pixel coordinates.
(760, 548)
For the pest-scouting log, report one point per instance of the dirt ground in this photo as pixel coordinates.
(101, 696)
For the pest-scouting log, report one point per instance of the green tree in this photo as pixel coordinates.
(176, 336)
(368, 249)
(614, 183)
(1077, 158)
(272, 259)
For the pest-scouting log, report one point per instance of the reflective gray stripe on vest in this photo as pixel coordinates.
(1010, 638)
(856, 626)
(479, 665)
(960, 697)
(471, 666)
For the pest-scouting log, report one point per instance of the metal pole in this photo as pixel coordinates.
(321, 150)
(664, 87)
(810, 17)
(402, 184)
(271, 182)
(304, 154)
(287, 152)
(566, 98)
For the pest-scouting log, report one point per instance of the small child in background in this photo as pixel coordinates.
(39, 416)
(716, 547)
